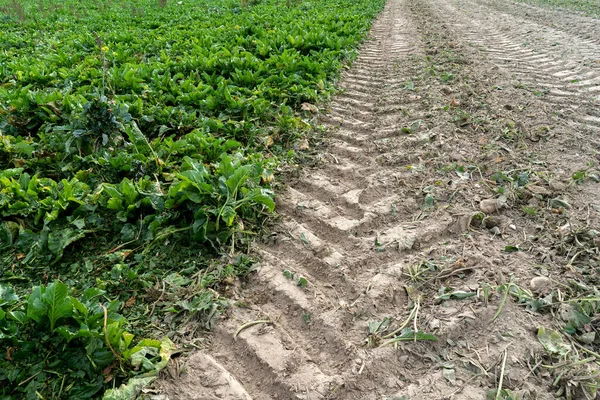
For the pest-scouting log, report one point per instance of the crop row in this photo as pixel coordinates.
(138, 141)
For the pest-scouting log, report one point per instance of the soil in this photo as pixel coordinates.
(446, 102)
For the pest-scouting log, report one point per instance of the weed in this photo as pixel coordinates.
(446, 77)
(419, 272)
(531, 211)
(299, 279)
(581, 175)
(307, 318)
(376, 330)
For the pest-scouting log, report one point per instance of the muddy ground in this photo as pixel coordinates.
(450, 103)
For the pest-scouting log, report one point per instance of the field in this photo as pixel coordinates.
(587, 7)
(138, 146)
(300, 200)
(445, 243)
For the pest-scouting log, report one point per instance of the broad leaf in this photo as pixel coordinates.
(58, 240)
(228, 215)
(58, 301)
(237, 179)
(36, 308)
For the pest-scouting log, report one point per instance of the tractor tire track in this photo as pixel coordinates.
(557, 63)
(357, 231)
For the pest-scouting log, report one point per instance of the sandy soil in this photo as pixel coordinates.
(448, 102)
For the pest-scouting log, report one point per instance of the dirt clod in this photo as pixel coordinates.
(491, 206)
(540, 285)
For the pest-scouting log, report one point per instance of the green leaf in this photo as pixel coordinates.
(228, 215)
(141, 345)
(226, 166)
(59, 303)
(136, 137)
(237, 179)
(36, 308)
(79, 307)
(129, 191)
(263, 197)
(302, 282)
(559, 203)
(511, 249)
(553, 342)
(408, 334)
(379, 326)
(428, 203)
(58, 240)
(578, 176)
(18, 316)
(288, 274)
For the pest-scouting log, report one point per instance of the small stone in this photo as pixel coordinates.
(496, 231)
(358, 361)
(540, 285)
(513, 227)
(447, 90)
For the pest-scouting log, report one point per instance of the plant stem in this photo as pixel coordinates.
(501, 375)
(249, 324)
(404, 324)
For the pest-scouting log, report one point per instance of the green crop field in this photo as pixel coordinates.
(139, 142)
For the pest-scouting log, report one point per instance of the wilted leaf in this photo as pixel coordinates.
(7, 295)
(553, 342)
(457, 294)
(130, 390)
(559, 203)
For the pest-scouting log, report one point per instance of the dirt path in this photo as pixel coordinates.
(449, 103)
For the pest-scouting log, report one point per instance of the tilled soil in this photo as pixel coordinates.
(449, 103)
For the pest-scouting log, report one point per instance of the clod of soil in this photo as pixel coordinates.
(541, 285)
(491, 206)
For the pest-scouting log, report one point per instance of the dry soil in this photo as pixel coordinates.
(450, 102)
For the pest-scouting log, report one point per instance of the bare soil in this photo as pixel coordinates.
(446, 98)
